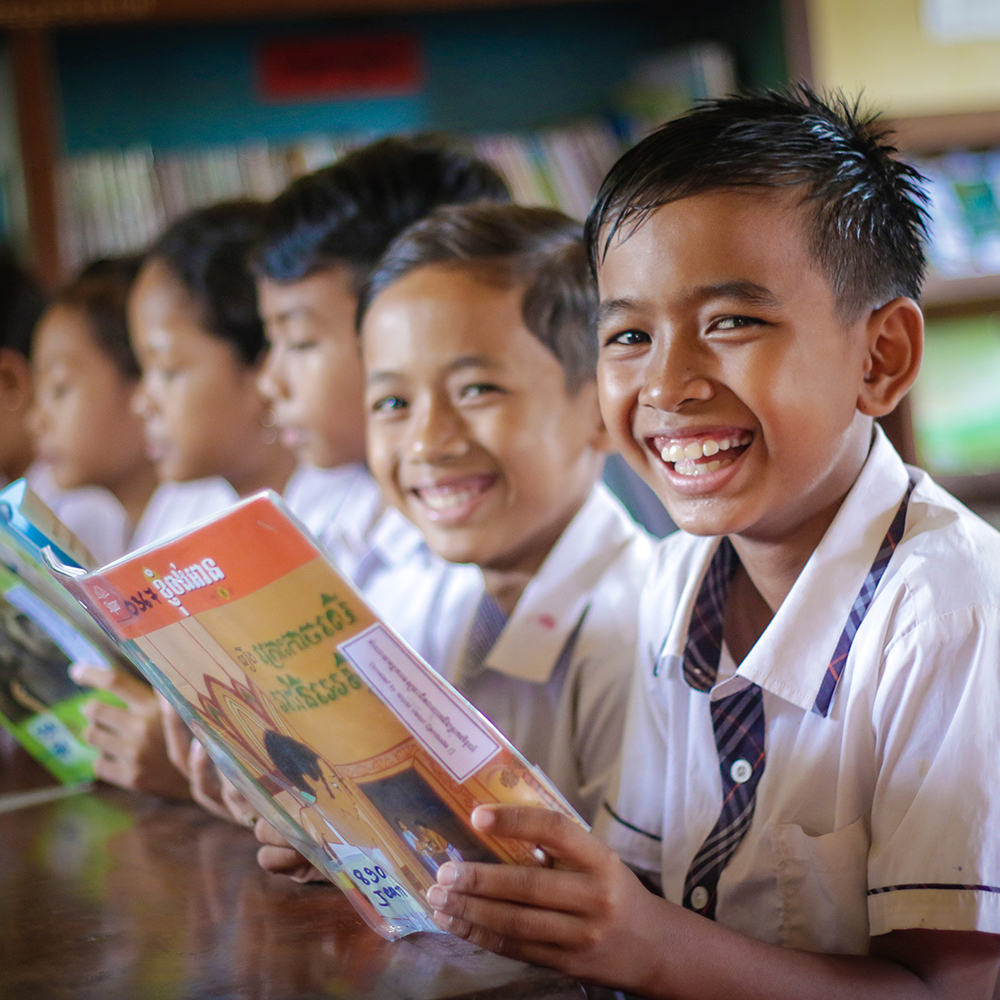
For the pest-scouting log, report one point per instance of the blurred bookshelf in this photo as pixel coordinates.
(130, 111)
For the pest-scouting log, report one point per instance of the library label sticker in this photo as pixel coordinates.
(453, 735)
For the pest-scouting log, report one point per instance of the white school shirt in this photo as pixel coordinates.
(556, 681)
(340, 507)
(92, 513)
(175, 507)
(884, 814)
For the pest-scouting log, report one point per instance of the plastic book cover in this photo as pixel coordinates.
(365, 758)
(43, 630)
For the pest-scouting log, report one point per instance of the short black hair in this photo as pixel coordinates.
(206, 250)
(349, 212)
(100, 292)
(22, 303)
(868, 209)
(537, 248)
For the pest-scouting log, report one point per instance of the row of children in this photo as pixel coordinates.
(797, 797)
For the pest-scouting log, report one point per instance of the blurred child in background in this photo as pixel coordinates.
(85, 377)
(200, 344)
(93, 515)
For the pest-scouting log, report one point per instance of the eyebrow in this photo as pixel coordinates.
(465, 361)
(743, 291)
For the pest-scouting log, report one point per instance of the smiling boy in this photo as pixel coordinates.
(484, 430)
(810, 759)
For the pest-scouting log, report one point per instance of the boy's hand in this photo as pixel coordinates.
(133, 751)
(213, 792)
(280, 858)
(585, 915)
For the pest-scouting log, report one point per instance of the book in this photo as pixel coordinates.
(43, 630)
(346, 741)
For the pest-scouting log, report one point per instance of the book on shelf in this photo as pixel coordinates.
(43, 630)
(340, 735)
(115, 202)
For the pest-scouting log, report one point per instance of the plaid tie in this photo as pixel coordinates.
(487, 624)
(738, 719)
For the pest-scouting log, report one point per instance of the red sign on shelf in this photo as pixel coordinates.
(382, 65)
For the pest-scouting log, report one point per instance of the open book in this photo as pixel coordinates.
(43, 630)
(364, 757)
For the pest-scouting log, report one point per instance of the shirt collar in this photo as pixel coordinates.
(791, 658)
(558, 595)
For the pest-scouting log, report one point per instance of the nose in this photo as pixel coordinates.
(679, 373)
(271, 382)
(437, 432)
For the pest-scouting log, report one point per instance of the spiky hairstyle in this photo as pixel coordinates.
(868, 216)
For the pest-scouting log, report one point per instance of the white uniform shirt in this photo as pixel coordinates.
(92, 513)
(882, 815)
(175, 507)
(341, 507)
(556, 681)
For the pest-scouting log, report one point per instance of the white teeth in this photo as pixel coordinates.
(687, 453)
(697, 469)
(439, 500)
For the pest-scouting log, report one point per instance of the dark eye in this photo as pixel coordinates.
(301, 345)
(476, 390)
(627, 338)
(389, 404)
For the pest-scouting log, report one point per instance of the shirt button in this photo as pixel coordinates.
(699, 897)
(740, 771)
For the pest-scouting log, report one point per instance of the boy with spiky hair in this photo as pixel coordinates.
(811, 762)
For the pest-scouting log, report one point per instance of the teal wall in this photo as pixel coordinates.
(181, 86)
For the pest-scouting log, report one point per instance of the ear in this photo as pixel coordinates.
(895, 338)
(16, 383)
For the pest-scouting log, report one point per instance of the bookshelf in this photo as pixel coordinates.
(534, 47)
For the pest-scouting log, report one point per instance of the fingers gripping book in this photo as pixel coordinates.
(365, 758)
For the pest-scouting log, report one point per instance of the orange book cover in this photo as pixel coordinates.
(342, 737)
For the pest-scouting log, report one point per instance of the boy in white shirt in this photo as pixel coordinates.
(484, 430)
(810, 768)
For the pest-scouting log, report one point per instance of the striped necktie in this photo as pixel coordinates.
(738, 719)
(487, 624)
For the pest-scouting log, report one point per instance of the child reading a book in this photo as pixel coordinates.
(810, 766)
(484, 430)
(199, 340)
(85, 377)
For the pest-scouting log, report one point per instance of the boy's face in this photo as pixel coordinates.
(313, 373)
(471, 431)
(726, 377)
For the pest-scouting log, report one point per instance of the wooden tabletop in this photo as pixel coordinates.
(106, 894)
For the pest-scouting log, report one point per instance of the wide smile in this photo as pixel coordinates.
(454, 499)
(699, 462)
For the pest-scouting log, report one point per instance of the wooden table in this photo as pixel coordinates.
(106, 895)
